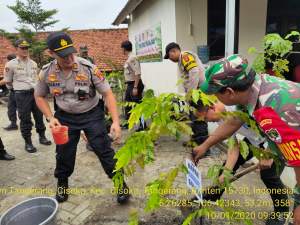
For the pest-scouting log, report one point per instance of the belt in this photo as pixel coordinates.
(24, 91)
(80, 114)
(130, 82)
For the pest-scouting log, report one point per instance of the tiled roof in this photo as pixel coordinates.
(103, 44)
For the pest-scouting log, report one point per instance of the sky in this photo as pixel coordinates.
(75, 14)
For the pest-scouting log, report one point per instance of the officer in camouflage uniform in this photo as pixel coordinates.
(21, 73)
(75, 82)
(274, 104)
(192, 73)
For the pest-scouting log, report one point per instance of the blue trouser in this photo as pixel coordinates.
(93, 125)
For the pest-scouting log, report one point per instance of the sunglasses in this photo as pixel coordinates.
(24, 48)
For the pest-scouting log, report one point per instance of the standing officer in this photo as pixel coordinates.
(75, 82)
(84, 53)
(21, 73)
(132, 73)
(192, 73)
(12, 105)
(272, 102)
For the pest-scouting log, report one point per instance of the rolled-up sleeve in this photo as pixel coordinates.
(41, 88)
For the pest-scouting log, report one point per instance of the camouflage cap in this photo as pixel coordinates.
(227, 72)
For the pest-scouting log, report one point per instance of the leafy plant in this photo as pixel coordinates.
(275, 52)
(168, 117)
(31, 15)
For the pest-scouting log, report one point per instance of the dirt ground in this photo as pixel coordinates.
(91, 202)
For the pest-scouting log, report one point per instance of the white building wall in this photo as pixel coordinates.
(252, 25)
(191, 23)
(159, 76)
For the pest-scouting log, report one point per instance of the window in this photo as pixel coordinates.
(216, 28)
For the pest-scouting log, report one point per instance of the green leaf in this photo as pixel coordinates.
(244, 149)
(232, 142)
(133, 218)
(252, 50)
(293, 33)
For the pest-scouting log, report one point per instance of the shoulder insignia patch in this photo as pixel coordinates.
(99, 74)
(188, 62)
(274, 135)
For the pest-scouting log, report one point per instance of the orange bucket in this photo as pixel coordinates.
(60, 135)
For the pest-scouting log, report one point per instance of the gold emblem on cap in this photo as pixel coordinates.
(63, 43)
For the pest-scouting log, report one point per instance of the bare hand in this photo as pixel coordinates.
(297, 216)
(134, 91)
(265, 163)
(115, 131)
(54, 123)
(221, 179)
(198, 153)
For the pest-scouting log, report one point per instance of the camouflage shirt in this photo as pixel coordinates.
(282, 96)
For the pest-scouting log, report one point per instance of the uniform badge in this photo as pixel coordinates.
(75, 66)
(186, 58)
(274, 135)
(52, 78)
(56, 91)
(81, 77)
(265, 122)
(98, 74)
(63, 43)
(6, 69)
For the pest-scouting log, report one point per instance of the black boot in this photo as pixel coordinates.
(61, 192)
(5, 156)
(12, 126)
(29, 146)
(44, 140)
(123, 194)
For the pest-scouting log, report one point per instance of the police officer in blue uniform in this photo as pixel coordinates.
(76, 85)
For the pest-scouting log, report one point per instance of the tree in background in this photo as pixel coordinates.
(32, 19)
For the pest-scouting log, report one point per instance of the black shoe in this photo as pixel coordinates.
(10, 127)
(89, 147)
(5, 156)
(30, 148)
(44, 140)
(61, 192)
(123, 194)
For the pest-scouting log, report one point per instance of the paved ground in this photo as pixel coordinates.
(89, 204)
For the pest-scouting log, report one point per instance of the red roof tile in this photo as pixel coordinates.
(103, 44)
